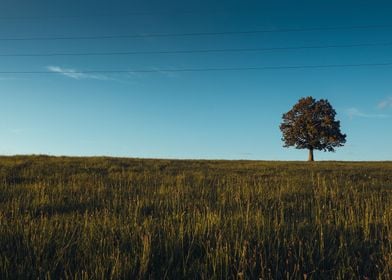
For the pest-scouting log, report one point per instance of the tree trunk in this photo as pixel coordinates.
(311, 157)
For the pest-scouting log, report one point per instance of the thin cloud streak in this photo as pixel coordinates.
(386, 103)
(9, 78)
(74, 74)
(128, 78)
(165, 73)
(356, 113)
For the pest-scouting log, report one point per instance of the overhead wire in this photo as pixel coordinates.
(108, 71)
(147, 35)
(224, 50)
(127, 14)
(191, 34)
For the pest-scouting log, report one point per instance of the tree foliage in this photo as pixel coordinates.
(311, 125)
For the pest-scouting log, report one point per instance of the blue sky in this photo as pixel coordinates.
(224, 115)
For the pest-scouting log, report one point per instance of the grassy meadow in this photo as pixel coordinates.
(113, 218)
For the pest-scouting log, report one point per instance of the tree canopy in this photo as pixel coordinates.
(311, 125)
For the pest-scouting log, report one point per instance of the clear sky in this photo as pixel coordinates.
(204, 114)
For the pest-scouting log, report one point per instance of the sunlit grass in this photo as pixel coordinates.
(94, 218)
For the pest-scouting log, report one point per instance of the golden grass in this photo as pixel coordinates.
(110, 218)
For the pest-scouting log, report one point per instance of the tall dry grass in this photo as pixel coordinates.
(107, 218)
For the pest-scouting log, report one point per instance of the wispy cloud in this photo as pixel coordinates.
(75, 74)
(79, 75)
(386, 103)
(9, 78)
(167, 73)
(356, 113)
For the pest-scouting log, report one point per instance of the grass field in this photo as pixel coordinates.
(101, 218)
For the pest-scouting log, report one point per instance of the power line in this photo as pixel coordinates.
(191, 34)
(197, 51)
(134, 13)
(320, 66)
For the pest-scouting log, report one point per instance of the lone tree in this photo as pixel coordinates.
(311, 125)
